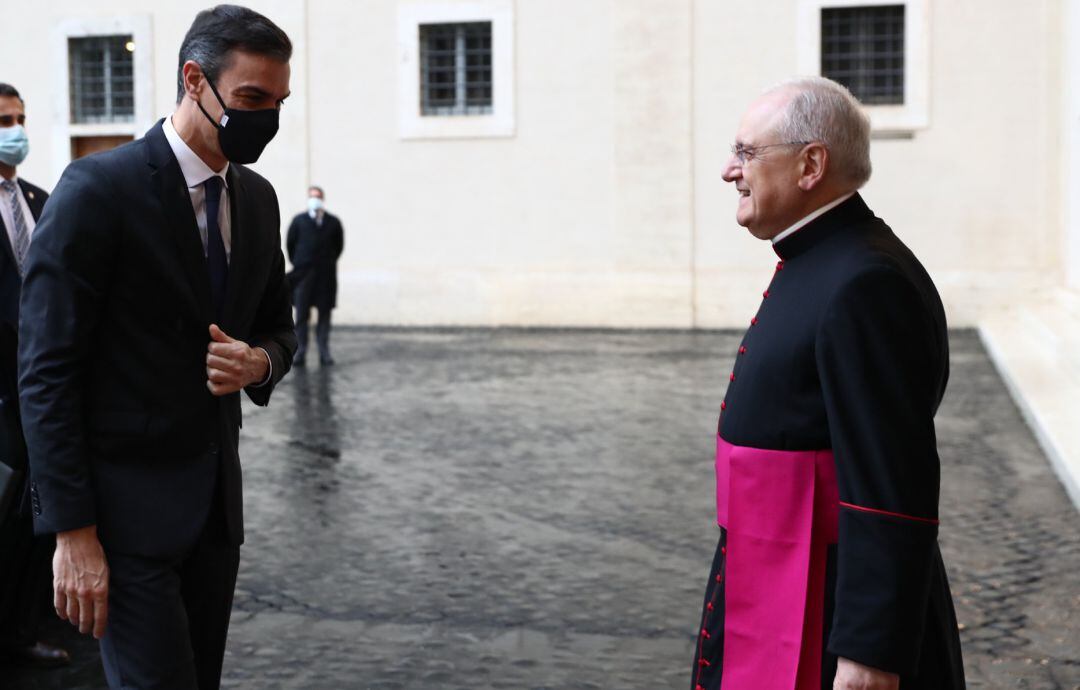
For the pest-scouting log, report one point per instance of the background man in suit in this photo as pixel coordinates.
(154, 293)
(315, 241)
(24, 569)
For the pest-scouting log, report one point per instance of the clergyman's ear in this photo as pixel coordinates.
(815, 163)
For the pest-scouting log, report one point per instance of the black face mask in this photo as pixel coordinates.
(243, 134)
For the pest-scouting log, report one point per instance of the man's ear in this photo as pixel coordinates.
(814, 163)
(193, 79)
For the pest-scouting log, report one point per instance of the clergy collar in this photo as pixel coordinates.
(193, 168)
(807, 232)
(814, 214)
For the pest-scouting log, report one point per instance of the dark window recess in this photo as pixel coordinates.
(863, 49)
(455, 69)
(102, 81)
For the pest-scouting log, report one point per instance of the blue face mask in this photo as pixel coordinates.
(13, 145)
(314, 204)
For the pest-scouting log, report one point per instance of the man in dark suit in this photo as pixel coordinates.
(314, 242)
(827, 574)
(155, 292)
(24, 570)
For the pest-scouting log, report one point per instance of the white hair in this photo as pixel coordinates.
(825, 111)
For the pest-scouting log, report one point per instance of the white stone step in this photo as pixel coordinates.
(1036, 348)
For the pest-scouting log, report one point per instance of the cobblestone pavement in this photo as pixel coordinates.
(533, 509)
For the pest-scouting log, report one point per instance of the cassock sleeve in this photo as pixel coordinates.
(67, 276)
(879, 358)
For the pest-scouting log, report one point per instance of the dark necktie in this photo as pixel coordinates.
(216, 261)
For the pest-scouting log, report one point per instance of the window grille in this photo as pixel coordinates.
(863, 49)
(455, 69)
(102, 82)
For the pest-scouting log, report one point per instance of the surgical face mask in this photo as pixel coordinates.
(13, 145)
(243, 134)
(314, 204)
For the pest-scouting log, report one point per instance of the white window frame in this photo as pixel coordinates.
(500, 122)
(139, 27)
(914, 114)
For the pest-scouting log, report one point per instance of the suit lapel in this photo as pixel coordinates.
(242, 223)
(35, 201)
(172, 191)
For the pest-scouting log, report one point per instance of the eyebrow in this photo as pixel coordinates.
(252, 90)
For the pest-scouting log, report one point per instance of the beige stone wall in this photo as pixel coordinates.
(606, 205)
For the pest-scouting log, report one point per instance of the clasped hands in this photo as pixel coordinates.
(232, 364)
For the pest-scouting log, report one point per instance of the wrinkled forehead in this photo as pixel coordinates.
(761, 118)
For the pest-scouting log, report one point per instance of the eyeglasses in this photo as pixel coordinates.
(749, 153)
(12, 120)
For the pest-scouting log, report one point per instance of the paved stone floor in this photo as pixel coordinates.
(519, 509)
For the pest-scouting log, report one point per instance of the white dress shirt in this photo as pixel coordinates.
(196, 172)
(816, 214)
(9, 217)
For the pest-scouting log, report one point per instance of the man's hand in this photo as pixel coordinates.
(854, 676)
(231, 364)
(81, 580)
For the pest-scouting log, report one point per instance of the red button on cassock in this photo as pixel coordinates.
(723, 404)
(733, 376)
(742, 350)
(779, 265)
(753, 321)
(765, 294)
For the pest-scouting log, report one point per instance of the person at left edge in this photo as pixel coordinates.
(154, 293)
(24, 566)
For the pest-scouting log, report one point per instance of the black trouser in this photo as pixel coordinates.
(168, 619)
(322, 330)
(25, 576)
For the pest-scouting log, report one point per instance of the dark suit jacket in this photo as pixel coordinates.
(9, 272)
(12, 447)
(314, 251)
(121, 428)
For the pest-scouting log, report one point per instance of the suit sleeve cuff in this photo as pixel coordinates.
(269, 370)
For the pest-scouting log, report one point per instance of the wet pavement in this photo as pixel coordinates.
(533, 509)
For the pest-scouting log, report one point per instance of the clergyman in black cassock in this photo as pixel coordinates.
(154, 293)
(314, 243)
(828, 568)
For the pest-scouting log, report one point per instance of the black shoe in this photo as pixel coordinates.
(39, 655)
(298, 360)
(326, 361)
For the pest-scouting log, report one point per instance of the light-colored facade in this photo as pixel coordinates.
(596, 198)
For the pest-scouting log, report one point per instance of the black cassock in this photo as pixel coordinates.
(830, 411)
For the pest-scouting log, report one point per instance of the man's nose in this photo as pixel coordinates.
(732, 170)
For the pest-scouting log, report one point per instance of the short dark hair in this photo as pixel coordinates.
(9, 90)
(219, 30)
(316, 188)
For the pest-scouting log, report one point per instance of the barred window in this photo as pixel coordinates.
(863, 49)
(455, 69)
(101, 73)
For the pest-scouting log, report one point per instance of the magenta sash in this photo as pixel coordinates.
(781, 511)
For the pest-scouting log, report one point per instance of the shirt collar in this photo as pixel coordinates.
(195, 171)
(807, 219)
